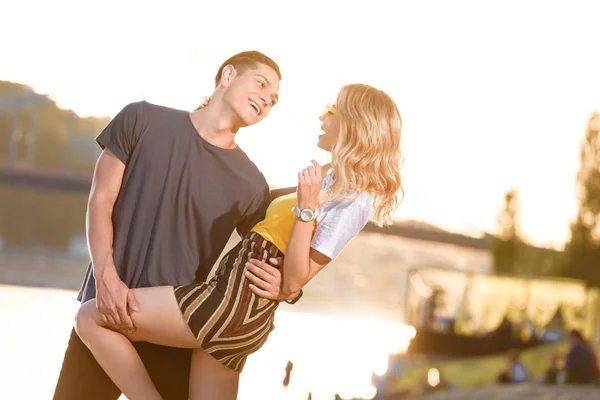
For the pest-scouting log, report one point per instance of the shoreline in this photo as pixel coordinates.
(537, 391)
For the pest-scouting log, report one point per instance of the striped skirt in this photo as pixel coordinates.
(229, 321)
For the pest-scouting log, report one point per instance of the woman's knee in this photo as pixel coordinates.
(85, 320)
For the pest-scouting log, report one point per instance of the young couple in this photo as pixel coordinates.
(168, 190)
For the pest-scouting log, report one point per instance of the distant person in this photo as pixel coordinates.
(581, 364)
(435, 304)
(293, 390)
(516, 371)
(288, 373)
(224, 321)
(554, 371)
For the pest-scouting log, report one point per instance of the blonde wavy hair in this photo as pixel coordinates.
(367, 156)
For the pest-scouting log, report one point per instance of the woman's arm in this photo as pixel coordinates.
(275, 193)
(340, 223)
(297, 274)
(301, 263)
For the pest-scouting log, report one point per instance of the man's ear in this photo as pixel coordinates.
(228, 74)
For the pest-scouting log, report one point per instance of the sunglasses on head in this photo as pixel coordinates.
(330, 110)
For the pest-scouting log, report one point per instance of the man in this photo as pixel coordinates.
(581, 364)
(168, 190)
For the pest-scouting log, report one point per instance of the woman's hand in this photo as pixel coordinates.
(309, 186)
(204, 103)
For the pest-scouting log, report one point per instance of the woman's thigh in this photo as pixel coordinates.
(159, 319)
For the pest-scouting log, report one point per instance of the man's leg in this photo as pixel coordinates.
(158, 321)
(81, 377)
(168, 367)
(210, 380)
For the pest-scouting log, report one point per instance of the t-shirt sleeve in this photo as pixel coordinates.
(123, 132)
(255, 212)
(339, 223)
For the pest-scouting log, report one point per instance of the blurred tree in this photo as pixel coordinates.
(506, 247)
(61, 140)
(583, 248)
(55, 132)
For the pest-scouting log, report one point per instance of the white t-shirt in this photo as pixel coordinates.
(339, 221)
(518, 372)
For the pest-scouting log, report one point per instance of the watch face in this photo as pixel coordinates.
(306, 215)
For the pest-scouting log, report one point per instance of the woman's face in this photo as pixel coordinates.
(330, 128)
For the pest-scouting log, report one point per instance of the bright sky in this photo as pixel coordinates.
(493, 94)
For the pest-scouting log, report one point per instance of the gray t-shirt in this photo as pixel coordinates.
(339, 222)
(180, 199)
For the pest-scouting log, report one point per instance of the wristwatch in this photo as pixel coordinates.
(306, 214)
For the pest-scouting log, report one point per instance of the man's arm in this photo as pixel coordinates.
(112, 295)
(275, 193)
(266, 280)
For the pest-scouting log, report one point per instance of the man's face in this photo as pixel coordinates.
(252, 93)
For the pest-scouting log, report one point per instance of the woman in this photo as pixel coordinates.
(223, 320)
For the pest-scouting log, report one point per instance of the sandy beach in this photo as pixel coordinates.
(521, 392)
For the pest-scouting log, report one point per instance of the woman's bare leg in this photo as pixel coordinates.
(158, 321)
(210, 380)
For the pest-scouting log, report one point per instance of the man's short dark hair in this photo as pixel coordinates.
(245, 60)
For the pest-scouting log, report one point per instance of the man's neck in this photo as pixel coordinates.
(215, 125)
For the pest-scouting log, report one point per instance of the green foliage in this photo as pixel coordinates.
(506, 247)
(583, 249)
(62, 142)
(483, 371)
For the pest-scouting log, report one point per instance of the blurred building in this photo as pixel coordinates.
(370, 278)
